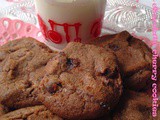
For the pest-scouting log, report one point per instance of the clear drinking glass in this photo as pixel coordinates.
(63, 21)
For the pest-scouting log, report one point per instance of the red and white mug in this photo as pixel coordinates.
(63, 21)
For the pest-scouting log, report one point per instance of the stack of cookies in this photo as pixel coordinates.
(106, 79)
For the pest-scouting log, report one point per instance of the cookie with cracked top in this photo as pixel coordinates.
(21, 68)
(134, 57)
(30, 113)
(81, 82)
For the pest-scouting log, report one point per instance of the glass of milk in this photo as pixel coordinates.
(64, 21)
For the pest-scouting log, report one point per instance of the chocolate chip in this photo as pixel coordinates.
(110, 83)
(111, 74)
(130, 40)
(106, 72)
(72, 63)
(59, 84)
(115, 74)
(15, 72)
(28, 84)
(114, 47)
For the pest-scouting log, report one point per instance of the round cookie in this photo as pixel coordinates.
(30, 113)
(134, 57)
(21, 68)
(135, 106)
(81, 82)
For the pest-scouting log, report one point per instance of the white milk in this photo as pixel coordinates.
(82, 12)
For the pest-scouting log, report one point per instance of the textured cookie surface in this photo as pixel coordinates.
(21, 67)
(3, 110)
(30, 113)
(135, 106)
(134, 58)
(81, 82)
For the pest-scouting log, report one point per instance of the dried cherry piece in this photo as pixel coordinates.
(54, 87)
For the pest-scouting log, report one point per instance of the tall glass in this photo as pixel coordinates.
(63, 21)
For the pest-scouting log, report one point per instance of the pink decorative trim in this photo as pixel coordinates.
(14, 29)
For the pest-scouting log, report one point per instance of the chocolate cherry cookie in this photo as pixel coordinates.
(135, 106)
(30, 113)
(134, 57)
(21, 68)
(81, 82)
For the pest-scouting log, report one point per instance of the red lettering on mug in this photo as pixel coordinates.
(56, 37)
(42, 26)
(53, 35)
(96, 28)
